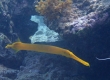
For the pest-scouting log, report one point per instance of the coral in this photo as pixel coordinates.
(54, 9)
(43, 34)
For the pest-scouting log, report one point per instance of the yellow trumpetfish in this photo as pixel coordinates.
(46, 49)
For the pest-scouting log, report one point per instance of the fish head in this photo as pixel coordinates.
(8, 46)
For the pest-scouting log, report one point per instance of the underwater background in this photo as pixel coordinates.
(81, 26)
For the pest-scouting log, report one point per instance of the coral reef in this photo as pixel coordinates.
(7, 73)
(36, 67)
(12, 13)
(9, 63)
(85, 22)
(54, 9)
(92, 22)
(82, 14)
(43, 34)
(88, 16)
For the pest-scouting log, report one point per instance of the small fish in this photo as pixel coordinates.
(103, 59)
(46, 49)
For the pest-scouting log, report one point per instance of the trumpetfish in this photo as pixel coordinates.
(46, 49)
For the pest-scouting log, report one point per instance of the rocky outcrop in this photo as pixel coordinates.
(87, 36)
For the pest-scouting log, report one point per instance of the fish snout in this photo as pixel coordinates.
(8, 46)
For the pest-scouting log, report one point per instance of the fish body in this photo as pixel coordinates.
(46, 49)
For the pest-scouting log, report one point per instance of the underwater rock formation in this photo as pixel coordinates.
(7, 73)
(43, 34)
(89, 17)
(14, 12)
(87, 34)
(9, 63)
(36, 67)
(84, 14)
(86, 22)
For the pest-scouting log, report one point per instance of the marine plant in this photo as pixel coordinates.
(53, 9)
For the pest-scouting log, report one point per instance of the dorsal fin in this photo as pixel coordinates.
(18, 40)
